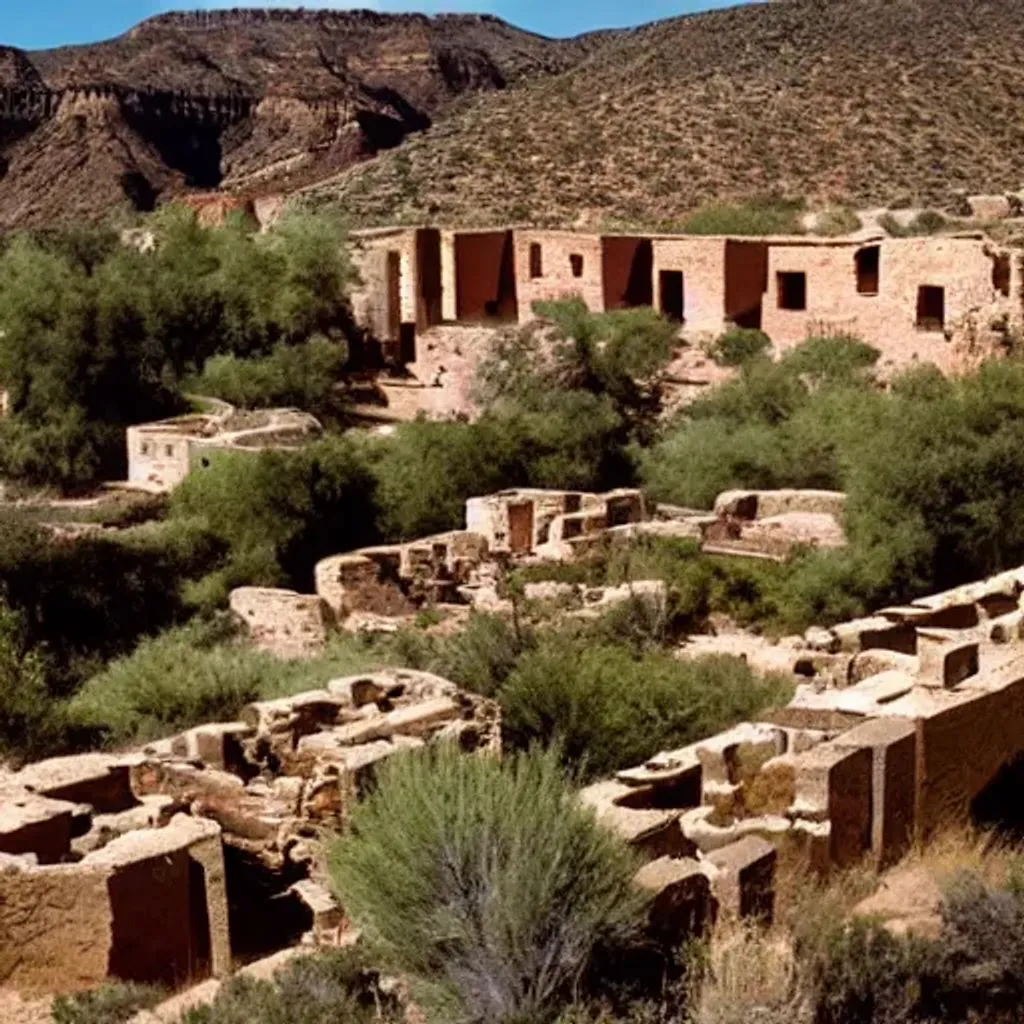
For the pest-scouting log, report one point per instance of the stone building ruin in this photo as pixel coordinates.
(907, 722)
(178, 862)
(162, 454)
(942, 299)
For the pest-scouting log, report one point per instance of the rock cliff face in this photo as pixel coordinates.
(246, 100)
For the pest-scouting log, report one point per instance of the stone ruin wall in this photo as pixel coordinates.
(162, 865)
(558, 278)
(903, 721)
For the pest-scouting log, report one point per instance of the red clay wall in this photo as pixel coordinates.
(627, 272)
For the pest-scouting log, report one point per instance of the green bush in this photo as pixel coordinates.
(112, 1004)
(739, 345)
(866, 975)
(485, 880)
(305, 376)
(607, 708)
(332, 987)
(927, 222)
(189, 676)
(761, 215)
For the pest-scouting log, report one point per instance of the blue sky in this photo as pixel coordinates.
(35, 24)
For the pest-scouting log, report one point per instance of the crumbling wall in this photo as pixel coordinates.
(283, 622)
(158, 460)
(376, 303)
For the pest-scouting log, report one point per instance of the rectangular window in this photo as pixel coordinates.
(868, 261)
(673, 298)
(1001, 274)
(931, 308)
(536, 260)
(792, 290)
(576, 262)
(169, 450)
(145, 448)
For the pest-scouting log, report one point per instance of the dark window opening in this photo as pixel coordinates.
(931, 308)
(867, 270)
(536, 260)
(673, 301)
(169, 450)
(205, 462)
(792, 290)
(1001, 274)
(576, 262)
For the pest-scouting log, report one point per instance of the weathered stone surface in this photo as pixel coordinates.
(681, 905)
(283, 622)
(35, 824)
(744, 879)
(102, 781)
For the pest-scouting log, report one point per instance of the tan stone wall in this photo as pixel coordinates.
(371, 298)
(702, 261)
(55, 929)
(557, 280)
(158, 460)
(282, 622)
(888, 319)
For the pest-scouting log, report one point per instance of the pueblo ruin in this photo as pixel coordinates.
(216, 833)
(949, 300)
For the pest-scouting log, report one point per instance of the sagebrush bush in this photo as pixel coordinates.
(739, 345)
(333, 987)
(189, 676)
(485, 878)
(115, 1003)
(608, 708)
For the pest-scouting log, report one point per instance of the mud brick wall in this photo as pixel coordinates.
(55, 929)
(702, 263)
(559, 251)
(961, 748)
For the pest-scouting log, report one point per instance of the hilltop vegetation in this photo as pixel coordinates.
(858, 103)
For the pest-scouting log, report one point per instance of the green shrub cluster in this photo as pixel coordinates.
(486, 882)
(761, 215)
(98, 335)
(739, 346)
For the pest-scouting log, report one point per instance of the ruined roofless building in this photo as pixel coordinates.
(938, 299)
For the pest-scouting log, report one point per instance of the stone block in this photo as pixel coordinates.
(945, 659)
(744, 881)
(55, 928)
(773, 789)
(681, 905)
(737, 754)
(893, 747)
(283, 622)
(35, 824)
(989, 207)
(102, 781)
(834, 784)
(215, 746)
(168, 903)
(1007, 628)
(874, 662)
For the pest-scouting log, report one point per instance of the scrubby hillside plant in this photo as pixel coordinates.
(485, 880)
(739, 345)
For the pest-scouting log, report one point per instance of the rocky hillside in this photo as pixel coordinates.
(253, 100)
(858, 101)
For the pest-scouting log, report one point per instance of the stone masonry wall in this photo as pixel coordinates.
(558, 280)
(702, 262)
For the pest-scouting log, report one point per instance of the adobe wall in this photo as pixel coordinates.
(886, 319)
(485, 278)
(702, 262)
(371, 299)
(627, 272)
(156, 459)
(282, 622)
(557, 280)
(55, 928)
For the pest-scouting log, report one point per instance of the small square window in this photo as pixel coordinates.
(868, 262)
(576, 262)
(931, 308)
(145, 448)
(792, 288)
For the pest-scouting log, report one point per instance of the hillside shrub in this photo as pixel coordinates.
(115, 1003)
(760, 215)
(486, 880)
(331, 987)
(607, 708)
(739, 345)
(192, 675)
